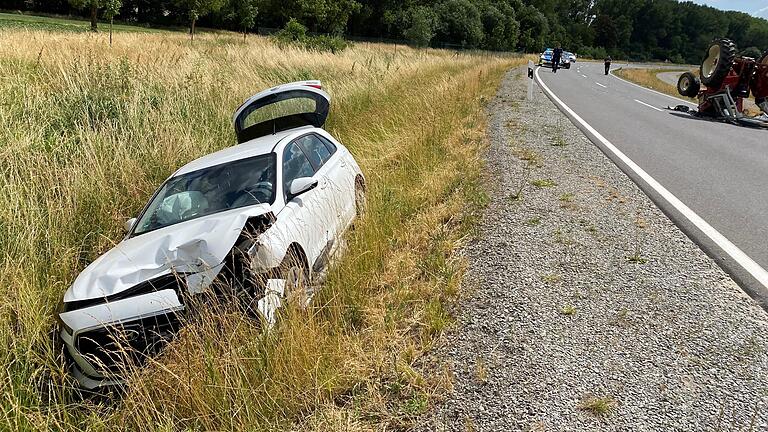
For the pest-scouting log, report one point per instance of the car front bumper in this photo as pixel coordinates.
(98, 338)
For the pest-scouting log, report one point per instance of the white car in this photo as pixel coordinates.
(269, 210)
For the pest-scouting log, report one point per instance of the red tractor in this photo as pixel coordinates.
(728, 79)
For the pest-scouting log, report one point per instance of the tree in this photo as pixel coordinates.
(242, 14)
(421, 25)
(459, 22)
(111, 8)
(93, 6)
(328, 16)
(197, 8)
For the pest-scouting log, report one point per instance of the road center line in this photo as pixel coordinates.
(741, 258)
(603, 86)
(649, 105)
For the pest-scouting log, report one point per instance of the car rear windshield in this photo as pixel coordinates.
(210, 190)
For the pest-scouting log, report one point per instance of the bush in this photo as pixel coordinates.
(295, 33)
(753, 52)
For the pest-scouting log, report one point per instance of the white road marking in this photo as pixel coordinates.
(747, 263)
(648, 105)
(601, 85)
(653, 91)
(583, 75)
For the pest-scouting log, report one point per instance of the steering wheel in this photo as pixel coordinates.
(260, 192)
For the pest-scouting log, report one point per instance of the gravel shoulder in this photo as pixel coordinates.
(587, 309)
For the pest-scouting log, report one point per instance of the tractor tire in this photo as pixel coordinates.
(763, 58)
(688, 85)
(717, 62)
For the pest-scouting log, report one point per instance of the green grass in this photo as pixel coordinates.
(543, 183)
(598, 406)
(61, 24)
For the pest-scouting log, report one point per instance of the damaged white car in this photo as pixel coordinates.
(269, 210)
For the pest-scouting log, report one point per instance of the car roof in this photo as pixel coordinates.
(255, 147)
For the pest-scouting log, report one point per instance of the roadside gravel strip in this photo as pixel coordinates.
(587, 309)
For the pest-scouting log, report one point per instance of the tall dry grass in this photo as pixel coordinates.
(88, 132)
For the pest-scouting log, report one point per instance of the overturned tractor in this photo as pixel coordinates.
(728, 79)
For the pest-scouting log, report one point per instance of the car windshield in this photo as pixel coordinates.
(210, 190)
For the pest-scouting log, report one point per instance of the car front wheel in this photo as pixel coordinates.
(296, 276)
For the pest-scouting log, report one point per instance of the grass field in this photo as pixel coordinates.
(60, 24)
(89, 131)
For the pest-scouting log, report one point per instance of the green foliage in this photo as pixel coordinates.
(295, 33)
(112, 8)
(422, 22)
(83, 4)
(242, 13)
(459, 23)
(197, 8)
(328, 16)
(638, 30)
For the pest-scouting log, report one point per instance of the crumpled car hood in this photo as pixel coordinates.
(193, 246)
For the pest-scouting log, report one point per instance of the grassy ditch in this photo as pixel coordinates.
(89, 132)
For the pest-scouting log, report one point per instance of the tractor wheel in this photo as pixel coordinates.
(717, 62)
(764, 58)
(688, 85)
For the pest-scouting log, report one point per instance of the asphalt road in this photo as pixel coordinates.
(720, 171)
(669, 77)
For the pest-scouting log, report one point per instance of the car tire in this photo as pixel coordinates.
(688, 85)
(294, 271)
(717, 62)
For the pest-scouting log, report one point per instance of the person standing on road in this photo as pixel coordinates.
(608, 64)
(557, 54)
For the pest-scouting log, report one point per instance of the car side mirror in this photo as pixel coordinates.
(301, 185)
(129, 224)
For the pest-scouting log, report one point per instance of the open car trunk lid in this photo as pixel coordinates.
(281, 108)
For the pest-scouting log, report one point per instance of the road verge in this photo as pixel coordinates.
(587, 308)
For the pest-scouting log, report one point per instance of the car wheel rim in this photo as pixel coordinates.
(710, 63)
(685, 83)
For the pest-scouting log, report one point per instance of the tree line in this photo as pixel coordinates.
(634, 29)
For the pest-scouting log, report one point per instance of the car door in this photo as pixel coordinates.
(331, 184)
(302, 217)
(342, 175)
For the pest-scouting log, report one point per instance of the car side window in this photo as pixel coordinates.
(295, 165)
(315, 150)
(329, 145)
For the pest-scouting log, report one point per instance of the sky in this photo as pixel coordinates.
(757, 8)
